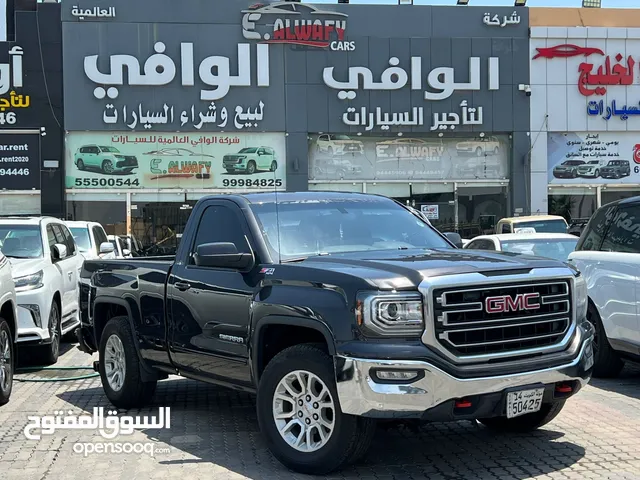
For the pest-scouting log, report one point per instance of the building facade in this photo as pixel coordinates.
(423, 104)
(585, 113)
(31, 116)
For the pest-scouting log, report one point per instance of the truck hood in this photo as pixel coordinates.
(406, 268)
(25, 266)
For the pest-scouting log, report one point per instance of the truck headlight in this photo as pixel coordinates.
(582, 297)
(391, 314)
(29, 282)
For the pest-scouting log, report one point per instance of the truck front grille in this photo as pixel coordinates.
(502, 319)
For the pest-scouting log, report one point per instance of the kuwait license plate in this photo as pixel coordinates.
(523, 402)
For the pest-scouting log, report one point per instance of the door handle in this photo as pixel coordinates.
(182, 286)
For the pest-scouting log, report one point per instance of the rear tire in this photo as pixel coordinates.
(606, 362)
(120, 367)
(334, 439)
(7, 355)
(525, 423)
(274, 166)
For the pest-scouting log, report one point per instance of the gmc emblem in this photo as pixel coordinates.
(507, 303)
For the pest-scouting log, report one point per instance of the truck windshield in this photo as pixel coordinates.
(316, 227)
(555, 248)
(81, 236)
(21, 241)
(544, 226)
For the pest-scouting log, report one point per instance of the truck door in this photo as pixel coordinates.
(209, 307)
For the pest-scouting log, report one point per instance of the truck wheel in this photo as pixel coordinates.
(6, 361)
(251, 167)
(300, 417)
(606, 362)
(525, 423)
(274, 166)
(49, 353)
(120, 367)
(80, 164)
(107, 166)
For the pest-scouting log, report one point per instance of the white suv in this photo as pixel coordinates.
(608, 255)
(45, 267)
(8, 329)
(92, 240)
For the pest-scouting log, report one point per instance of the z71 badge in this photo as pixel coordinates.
(268, 271)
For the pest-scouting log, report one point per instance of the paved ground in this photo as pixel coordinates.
(214, 434)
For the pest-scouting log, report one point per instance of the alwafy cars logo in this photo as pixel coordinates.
(297, 24)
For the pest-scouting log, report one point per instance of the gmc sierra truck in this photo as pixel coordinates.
(337, 310)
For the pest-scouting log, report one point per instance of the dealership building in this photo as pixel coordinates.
(585, 110)
(423, 104)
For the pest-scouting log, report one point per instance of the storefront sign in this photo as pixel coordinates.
(593, 158)
(343, 157)
(432, 212)
(19, 162)
(11, 79)
(94, 12)
(496, 21)
(226, 162)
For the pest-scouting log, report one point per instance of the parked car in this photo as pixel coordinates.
(251, 160)
(480, 146)
(591, 169)
(45, 265)
(551, 245)
(577, 225)
(340, 309)
(533, 223)
(616, 169)
(8, 329)
(338, 145)
(568, 169)
(119, 247)
(338, 167)
(91, 239)
(106, 159)
(133, 245)
(608, 255)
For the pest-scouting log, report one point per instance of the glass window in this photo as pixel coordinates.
(623, 234)
(482, 245)
(556, 248)
(591, 238)
(110, 211)
(158, 226)
(221, 224)
(506, 228)
(543, 226)
(21, 241)
(61, 232)
(99, 236)
(81, 237)
(51, 236)
(480, 208)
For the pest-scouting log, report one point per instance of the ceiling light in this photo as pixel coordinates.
(405, 2)
(591, 3)
(520, 3)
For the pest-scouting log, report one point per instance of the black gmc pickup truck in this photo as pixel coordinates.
(339, 309)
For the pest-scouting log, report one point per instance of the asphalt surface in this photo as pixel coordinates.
(214, 434)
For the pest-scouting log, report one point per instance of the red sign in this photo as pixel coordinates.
(636, 153)
(507, 303)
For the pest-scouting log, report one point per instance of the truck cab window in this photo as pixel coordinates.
(623, 234)
(221, 224)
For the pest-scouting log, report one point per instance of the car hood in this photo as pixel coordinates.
(346, 142)
(407, 268)
(25, 266)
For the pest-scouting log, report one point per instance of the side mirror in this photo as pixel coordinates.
(454, 238)
(126, 252)
(106, 247)
(59, 251)
(222, 255)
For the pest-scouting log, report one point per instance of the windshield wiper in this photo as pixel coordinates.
(294, 260)
(16, 256)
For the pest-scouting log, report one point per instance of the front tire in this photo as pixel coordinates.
(120, 367)
(597, 173)
(6, 361)
(606, 362)
(525, 423)
(274, 166)
(107, 166)
(300, 416)
(251, 167)
(51, 352)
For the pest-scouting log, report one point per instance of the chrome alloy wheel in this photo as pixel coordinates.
(5, 361)
(304, 411)
(115, 365)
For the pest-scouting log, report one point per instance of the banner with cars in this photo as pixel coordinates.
(242, 161)
(593, 158)
(347, 157)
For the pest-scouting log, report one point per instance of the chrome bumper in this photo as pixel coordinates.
(360, 395)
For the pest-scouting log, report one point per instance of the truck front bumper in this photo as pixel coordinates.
(433, 394)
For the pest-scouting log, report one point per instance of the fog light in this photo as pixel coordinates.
(34, 310)
(397, 375)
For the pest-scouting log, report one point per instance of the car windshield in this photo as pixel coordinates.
(612, 164)
(342, 137)
(543, 226)
(21, 241)
(594, 162)
(81, 236)
(573, 162)
(248, 150)
(556, 248)
(110, 149)
(325, 227)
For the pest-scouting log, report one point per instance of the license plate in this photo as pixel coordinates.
(523, 402)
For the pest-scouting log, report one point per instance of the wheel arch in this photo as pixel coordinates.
(8, 312)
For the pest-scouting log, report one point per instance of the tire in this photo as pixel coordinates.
(606, 362)
(80, 164)
(350, 436)
(274, 166)
(597, 173)
(478, 152)
(574, 174)
(125, 389)
(49, 353)
(525, 423)
(107, 166)
(7, 362)
(251, 167)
